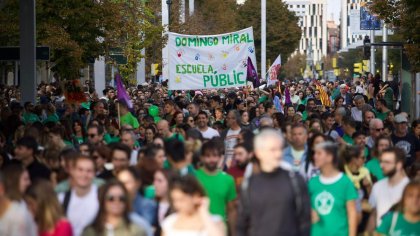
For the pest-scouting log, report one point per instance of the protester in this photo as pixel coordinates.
(47, 211)
(25, 151)
(113, 217)
(333, 195)
(145, 208)
(192, 215)
(257, 204)
(15, 219)
(161, 182)
(388, 191)
(80, 203)
(405, 220)
(219, 186)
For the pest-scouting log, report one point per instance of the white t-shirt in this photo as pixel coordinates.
(17, 221)
(356, 114)
(209, 133)
(133, 157)
(384, 196)
(168, 227)
(230, 141)
(297, 158)
(81, 211)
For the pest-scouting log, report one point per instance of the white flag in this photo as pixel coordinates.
(273, 71)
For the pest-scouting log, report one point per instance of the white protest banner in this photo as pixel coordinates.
(210, 61)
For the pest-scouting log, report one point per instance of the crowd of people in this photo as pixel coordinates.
(308, 157)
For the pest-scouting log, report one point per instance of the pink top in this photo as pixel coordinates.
(62, 228)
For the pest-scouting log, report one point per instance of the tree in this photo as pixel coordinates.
(294, 66)
(404, 17)
(79, 31)
(283, 32)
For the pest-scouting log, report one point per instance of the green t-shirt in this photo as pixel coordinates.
(111, 139)
(220, 189)
(374, 168)
(175, 136)
(335, 93)
(329, 201)
(400, 227)
(129, 119)
(29, 118)
(381, 115)
(187, 170)
(348, 139)
(52, 118)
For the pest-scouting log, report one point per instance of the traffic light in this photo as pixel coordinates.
(366, 65)
(366, 48)
(358, 67)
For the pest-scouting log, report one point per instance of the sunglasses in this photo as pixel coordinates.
(111, 198)
(380, 129)
(91, 135)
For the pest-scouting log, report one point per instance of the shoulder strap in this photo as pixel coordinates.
(394, 221)
(296, 192)
(66, 201)
(302, 225)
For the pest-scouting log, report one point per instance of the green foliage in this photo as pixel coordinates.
(294, 65)
(404, 17)
(283, 32)
(78, 31)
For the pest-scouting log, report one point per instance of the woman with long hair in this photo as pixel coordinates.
(309, 169)
(150, 134)
(101, 155)
(354, 159)
(177, 119)
(162, 179)
(382, 143)
(332, 194)
(192, 215)
(245, 121)
(113, 217)
(405, 219)
(145, 208)
(79, 133)
(17, 181)
(47, 211)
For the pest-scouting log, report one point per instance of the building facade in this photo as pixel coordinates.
(350, 22)
(333, 32)
(312, 20)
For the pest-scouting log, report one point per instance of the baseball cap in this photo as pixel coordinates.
(400, 118)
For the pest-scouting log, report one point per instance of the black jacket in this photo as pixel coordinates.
(273, 205)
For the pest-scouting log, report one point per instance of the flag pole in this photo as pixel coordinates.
(119, 115)
(263, 35)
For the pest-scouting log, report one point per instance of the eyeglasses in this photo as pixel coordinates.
(379, 129)
(111, 198)
(190, 120)
(92, 135)
(316, 93)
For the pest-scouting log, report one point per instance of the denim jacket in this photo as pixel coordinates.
(145, 208)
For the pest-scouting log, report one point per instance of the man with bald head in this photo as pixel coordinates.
(165, 132)
(260, 194)
(376, 128)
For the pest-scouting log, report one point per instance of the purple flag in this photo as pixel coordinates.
(122, 93)
(251, 74)
(287, 99)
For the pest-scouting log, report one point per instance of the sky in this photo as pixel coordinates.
(333, 6)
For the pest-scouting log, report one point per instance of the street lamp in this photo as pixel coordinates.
(169, 2)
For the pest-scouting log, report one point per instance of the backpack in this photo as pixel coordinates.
(66, 201)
